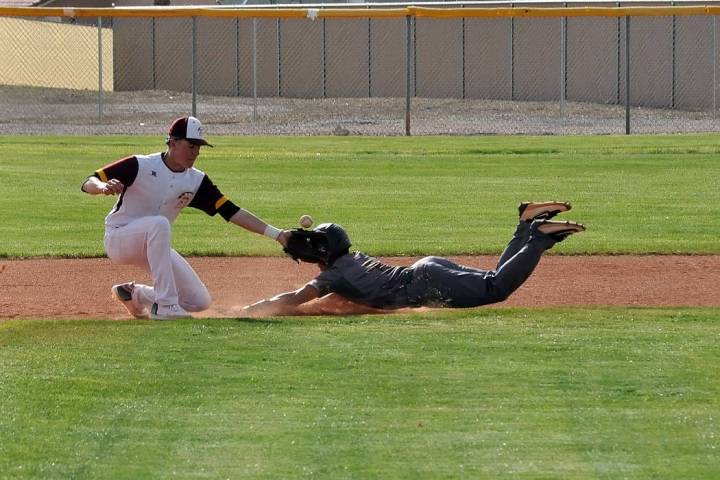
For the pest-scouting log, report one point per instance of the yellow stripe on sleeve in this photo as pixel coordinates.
(101, 174)
(220, 202)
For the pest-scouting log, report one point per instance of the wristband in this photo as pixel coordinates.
(271, 232)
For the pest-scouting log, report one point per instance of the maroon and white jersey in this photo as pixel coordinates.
(151, 188)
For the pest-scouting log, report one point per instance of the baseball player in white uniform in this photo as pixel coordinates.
(153, 190)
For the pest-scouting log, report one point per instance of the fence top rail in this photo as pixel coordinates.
(468, 4)
(412, 11)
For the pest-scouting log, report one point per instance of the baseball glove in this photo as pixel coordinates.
(307, 245)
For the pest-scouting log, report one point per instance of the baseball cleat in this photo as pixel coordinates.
(123, 294)
(541, 210)
(558, 229)
(168, 312)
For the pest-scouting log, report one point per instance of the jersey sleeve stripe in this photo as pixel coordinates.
(101, 174)
(220, 202)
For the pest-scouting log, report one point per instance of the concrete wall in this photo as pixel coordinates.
(438, 58)
(694, 62)
(593, 62)
(488, 59)
(301, 59)
(672, 59)
(387, 58)
(506, 59)
(58, 55)
(347, 79)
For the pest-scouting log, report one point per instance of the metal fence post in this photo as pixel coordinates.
(674, 60)
(254, 69)
(194, 66)
(323, 34)
(154, 59)
(279, 60)
(100, 70)
(512, 56)
(413, 44)
(627, 75)
(618, 51)
(563, 61)
(408, 65)
(714, 64)
(237, 57)
(369, 59)
(462, 56)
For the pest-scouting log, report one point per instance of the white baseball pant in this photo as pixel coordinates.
(145, 242)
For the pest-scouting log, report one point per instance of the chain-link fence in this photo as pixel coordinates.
(371, 71)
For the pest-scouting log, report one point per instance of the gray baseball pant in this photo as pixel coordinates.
(438, 282)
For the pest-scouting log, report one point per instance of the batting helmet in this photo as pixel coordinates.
(337, 238)
(324, 244)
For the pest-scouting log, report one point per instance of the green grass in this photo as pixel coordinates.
(401, 196)
(531, 394)
(480, 393)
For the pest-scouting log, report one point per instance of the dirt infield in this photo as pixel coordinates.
(67, 288)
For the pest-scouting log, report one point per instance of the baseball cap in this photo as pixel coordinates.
(188, 128)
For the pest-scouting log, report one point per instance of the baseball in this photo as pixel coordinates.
(306, 221)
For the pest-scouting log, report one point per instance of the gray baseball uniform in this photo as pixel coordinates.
(434, 281)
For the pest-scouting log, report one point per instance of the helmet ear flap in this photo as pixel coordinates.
(338, 241)
(318, 245)
(307, 246)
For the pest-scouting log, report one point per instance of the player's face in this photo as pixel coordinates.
(186, 153)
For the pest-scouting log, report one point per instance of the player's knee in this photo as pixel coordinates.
(433, 259)
(204, 301)
(159, 227)
(425, 261)
(501, 295)
(160, 223)
(200, 301)
(498, 293)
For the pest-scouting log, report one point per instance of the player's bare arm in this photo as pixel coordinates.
(95, 186)
(336, 304)
(282, 304)
(250, 222)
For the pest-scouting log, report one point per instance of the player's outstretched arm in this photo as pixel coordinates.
(249, 221)
(336, 304)
(282, 304)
